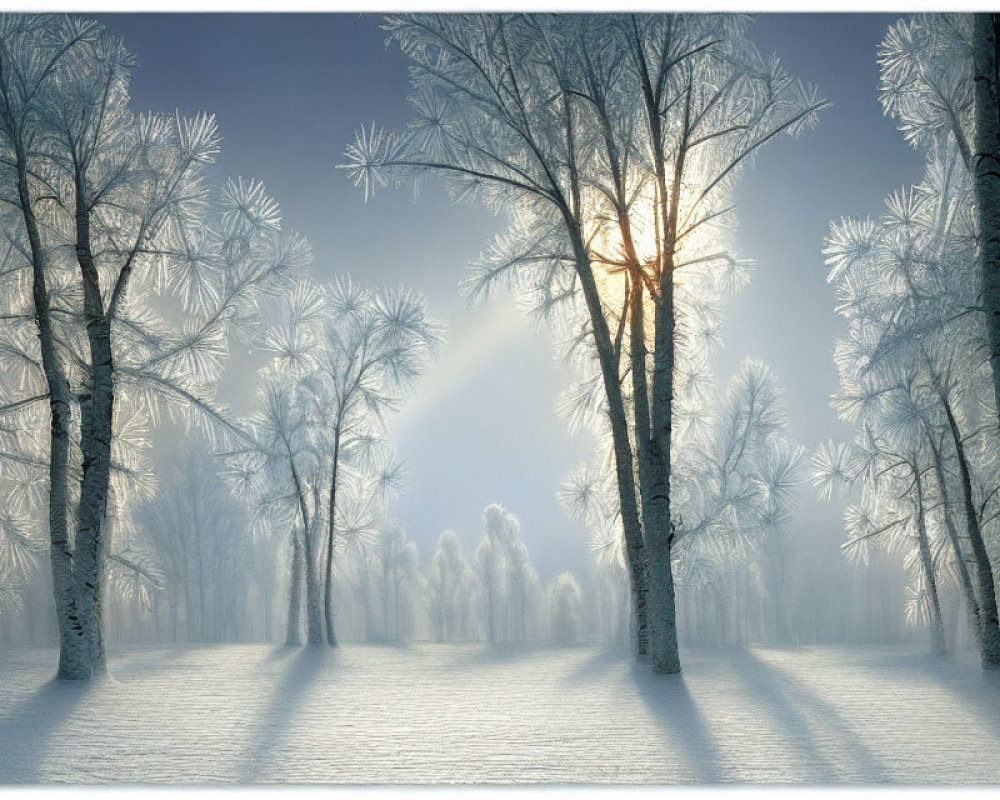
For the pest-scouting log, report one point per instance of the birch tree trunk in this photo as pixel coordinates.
(624, 469)
(294, 633)
(314, 627)
(658, 525)
(968, 590)
(97, 417)
(656, 507)
(331, 637)
(71, 664)
(927, 563)
(989, 621)
(656, 511)
(637, 561)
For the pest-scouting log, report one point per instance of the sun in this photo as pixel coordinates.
(620, 246)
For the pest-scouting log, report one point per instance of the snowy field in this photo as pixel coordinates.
(463, 714)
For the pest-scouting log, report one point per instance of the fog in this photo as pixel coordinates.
(459, 340)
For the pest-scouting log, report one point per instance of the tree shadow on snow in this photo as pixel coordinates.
(979, 691)
(282, 651)
(274, 723)
(799, 712)
(27, 731)
(669, 701)
(960, 674)
(599, 662)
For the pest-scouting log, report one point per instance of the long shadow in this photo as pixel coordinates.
(961, 675)
(958, 673)
(669, 701)
(980, 693)
(27, 731)
(275, 722)
(600, 662)
(282, 651)
(793, 705)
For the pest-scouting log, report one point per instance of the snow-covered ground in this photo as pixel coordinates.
(463, 714)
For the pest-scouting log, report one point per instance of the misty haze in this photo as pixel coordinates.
(499, 398)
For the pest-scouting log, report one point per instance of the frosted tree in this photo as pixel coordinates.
(938, 80)
(910, 368)
(560, 119)
(277, 475)
(400, 583)
(484, 120)
(735, 483)
(565, 602)
(734, 486)
(709, 103)
(354, 353)
(362, 572)
(34, 48)
(21, 528)
(893, 511)
(373, 346)
(606, 604)
(450, 585)
(113, 211)
(986, 175)
(491, 567)
(201, 540)
(588, 494)
(524, 590)
(509, 582)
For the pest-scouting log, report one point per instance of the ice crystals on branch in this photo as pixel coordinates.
(367, 158)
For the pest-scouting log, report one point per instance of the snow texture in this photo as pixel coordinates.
(450, 713)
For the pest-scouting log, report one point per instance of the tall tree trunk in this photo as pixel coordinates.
(989, 621)
(314, 634)
(927, 563)
(638, 571)
(624, 469)
(314, 627)
(658, 525)
(294, 633)
(965, 579)
(640, 407)
(986, 177)
(71, 662)
(97, 419)
(656, 513)
(331, 637)
(656, 510)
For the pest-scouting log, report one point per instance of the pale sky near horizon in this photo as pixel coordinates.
(288, 92)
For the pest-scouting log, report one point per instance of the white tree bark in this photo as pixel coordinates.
(293, 636)
(636, 562)
(984, 570)
(927, 565)
(60, 411)
(968, 590)
(331, 636)
(97, 419)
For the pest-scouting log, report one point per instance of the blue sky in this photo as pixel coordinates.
(289, 91)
